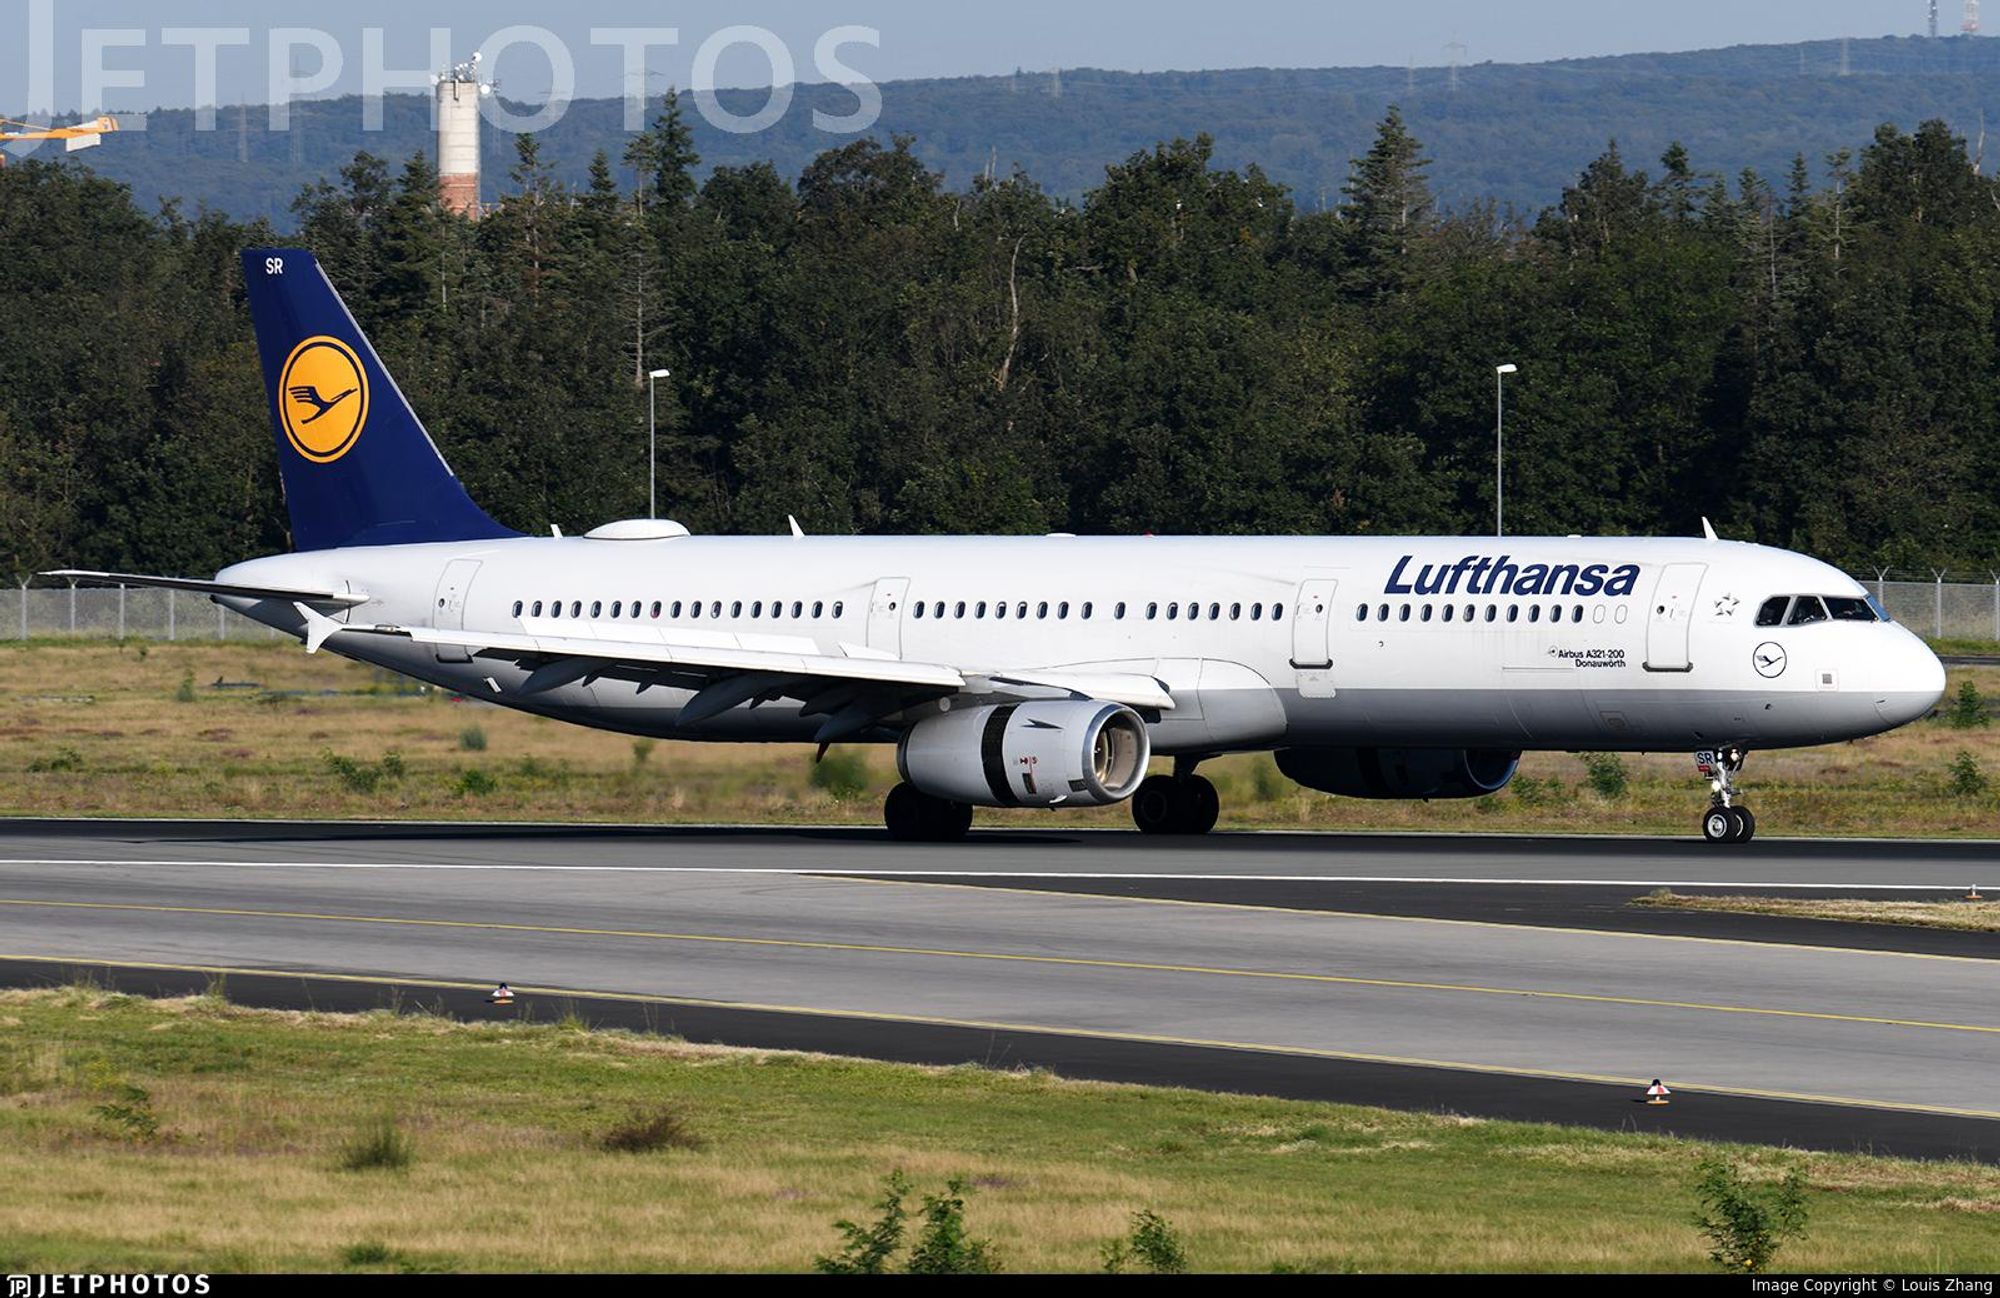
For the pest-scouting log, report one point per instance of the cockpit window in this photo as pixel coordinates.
(1806, 610)
(1850, 610)
(1773, 612)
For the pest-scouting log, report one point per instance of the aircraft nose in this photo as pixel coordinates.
(1914, 684)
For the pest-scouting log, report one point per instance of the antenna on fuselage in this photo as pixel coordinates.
(798, 533)
(1708, 530)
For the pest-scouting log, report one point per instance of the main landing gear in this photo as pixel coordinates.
(1724, 821)
(917, 817)
(1182, 804)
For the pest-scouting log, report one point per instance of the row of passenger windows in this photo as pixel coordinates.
(938, 610)
(1472, 613)
(637, 610)
(1804, 610)
(1062, 611)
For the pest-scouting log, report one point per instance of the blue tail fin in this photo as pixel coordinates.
(359, 469)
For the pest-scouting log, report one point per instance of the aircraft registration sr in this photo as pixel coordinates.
(1049, 672)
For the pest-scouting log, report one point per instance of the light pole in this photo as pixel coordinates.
(653, 441)
(1500, 373)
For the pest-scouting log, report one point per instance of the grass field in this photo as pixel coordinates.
(255, 1115)
(94, 728)
(1963, 916)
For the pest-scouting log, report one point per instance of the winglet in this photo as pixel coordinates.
(1708, 530)
(319, 628)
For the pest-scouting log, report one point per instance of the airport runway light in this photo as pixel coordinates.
(653, 441)
(1500, 373)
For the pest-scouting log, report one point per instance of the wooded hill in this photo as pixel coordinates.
(1512, 133)
(1188, 350)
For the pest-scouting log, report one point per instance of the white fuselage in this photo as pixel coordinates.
(1612, 644)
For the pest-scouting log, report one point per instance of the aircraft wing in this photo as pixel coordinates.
(338, 600)
(854, 693)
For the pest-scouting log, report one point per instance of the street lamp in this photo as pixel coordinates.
(653, 441)
(1500, 373)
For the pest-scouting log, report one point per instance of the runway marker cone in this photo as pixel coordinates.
(501, 995)
(1658, 1094)
(1974, 894)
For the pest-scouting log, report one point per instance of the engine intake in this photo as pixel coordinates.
(1059, 754)
(1385, 774)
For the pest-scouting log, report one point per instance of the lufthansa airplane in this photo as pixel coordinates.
(1049, 672)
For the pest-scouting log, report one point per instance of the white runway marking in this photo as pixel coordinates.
(1081, 876)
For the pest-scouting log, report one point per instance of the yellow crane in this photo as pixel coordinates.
(83, 135)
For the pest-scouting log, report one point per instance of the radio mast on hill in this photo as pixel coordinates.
(1934, 19)
(1971, 25)
(459, 91)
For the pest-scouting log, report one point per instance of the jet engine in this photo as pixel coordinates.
(1055, 754)
(1386, 774)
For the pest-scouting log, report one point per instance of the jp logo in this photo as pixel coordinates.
(323, 399)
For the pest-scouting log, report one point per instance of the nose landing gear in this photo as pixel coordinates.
(1724, 821)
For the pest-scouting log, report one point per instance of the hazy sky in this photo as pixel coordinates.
(919, 38)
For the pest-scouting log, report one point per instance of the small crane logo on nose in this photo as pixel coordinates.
(1771, 661)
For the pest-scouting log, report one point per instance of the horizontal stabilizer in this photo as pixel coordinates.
(221, 588)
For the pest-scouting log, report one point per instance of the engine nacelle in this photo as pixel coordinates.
(1060, 754)
(1384, 774)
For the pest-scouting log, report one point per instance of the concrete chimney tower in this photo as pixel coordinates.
(459, 91)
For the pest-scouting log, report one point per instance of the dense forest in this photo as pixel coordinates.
(1510, 133)
(1188, 349)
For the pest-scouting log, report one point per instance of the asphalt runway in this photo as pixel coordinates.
(1500, 976)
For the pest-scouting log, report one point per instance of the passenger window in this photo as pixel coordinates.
(1513, 612)
(1062, 612)
(1773, 612)
(576, 608)
(1277, 612)
(1194, 612)
(1577, 616)
(517, 608)
(819, 609)
(1021, 611)
(1152, 612)
(1173, 612)
(1119, 612)
(1215, 612)
(1000, 611)
(798, 610)
(917, 610)
(618, 609)
(1450, 612)
(960, 614)
(736, 609)
(1492, 612)
(1406, 613)
(1429, 612)
(596, 608)
(715, 609)
(694, 611)
(1088, 609)
(1041, 611)
(839, 608)
(1806, 610)
(1850, 610)
(979, 611)
(1361, 614)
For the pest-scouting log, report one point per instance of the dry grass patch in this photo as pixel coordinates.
(1959, 915)
(116, 742)
(256, 1108)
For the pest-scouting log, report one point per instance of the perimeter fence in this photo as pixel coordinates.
(1943, 605)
